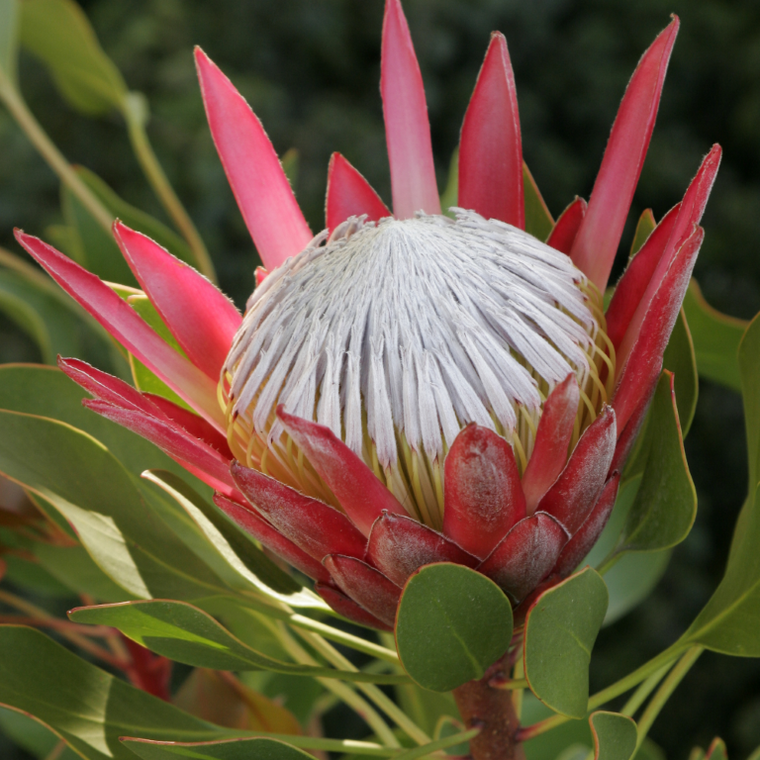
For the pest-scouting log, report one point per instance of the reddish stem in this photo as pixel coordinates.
(492, 710)
(148, 671)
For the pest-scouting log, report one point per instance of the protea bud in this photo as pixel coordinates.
(406, 388)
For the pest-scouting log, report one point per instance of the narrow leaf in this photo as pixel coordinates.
(58, 32)
(184, 633)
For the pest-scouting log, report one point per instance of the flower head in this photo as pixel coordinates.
(406, 387)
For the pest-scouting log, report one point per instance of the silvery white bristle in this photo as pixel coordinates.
(417, 324)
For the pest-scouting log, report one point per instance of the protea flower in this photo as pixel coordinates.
(407, 387)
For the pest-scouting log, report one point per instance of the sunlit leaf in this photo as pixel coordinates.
(184, 633)
(94, 492)
(87, 707)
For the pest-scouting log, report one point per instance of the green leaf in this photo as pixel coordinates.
(251, 749)
(560, 631)
(666, 503)
(136, 218)
(58, 32)
(47, 392)
(717, 750)
(8, 37)
(144, 379)
(644, 228)
(448, 726)
(76, 570)
(85, 706)
(450, 194)
(187, 634)
(89, 244)
(755, 755)
(425, 707)
(615, 736)
(716, 339)
(92, 490)
(239, 749)
(452, 624)
(680, 359)
(242, 563)
(630, 580)
(53, 327)
(730, 622)
(32, 736)
(290, 164)
(538, 220)
(551, 744)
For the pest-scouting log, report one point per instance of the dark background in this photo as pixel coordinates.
(310, 69)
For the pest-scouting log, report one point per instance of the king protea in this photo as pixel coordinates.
(408, 387)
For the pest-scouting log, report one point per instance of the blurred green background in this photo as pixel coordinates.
(310, 70)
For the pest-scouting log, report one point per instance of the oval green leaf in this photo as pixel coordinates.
(615, 736)
(560, 630)
(452, 624)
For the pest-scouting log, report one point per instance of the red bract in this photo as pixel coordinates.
(524, 520)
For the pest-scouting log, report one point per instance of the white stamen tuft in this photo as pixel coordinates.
(397, 334)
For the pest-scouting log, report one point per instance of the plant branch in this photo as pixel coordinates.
(390, 708)
(41, 617)
(341, 690)
(666, 689)
(615, 690)
(347, 639)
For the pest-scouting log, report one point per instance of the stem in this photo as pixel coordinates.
(493, 711)
(55, 159)
(666, 689)
(639, 696)
(511, 685)
(347, 639)
(390, 708)
(600, 698)
(57, 751)
(42, 618)
(165, 192)
(345, 692)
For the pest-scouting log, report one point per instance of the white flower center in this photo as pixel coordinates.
(395, 335)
